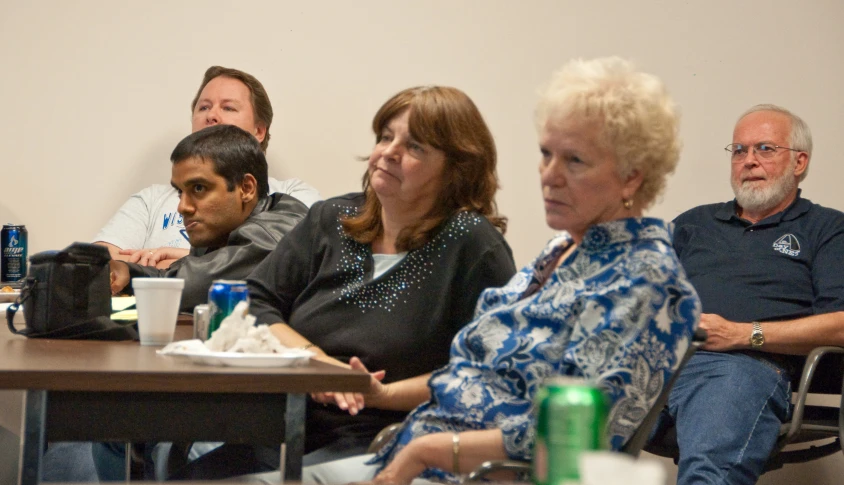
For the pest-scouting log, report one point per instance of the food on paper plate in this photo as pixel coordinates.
(237, 333)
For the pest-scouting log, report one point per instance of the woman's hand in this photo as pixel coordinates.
(151, 257)
(407, 464)
(436, 450)
(354, 402)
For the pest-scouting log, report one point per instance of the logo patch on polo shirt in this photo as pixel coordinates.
(787, 244)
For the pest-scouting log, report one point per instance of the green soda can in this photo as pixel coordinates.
(571, 418)
(223, 296)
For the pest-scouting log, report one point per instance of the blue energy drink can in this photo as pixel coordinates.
(14, 244)
(223, 296)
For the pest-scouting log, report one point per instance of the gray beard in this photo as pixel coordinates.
(766, 198)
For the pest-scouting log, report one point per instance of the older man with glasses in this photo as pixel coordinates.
(769, 270)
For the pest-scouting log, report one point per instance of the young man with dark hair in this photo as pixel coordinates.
(220, 174)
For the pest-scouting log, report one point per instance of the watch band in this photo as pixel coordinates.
(757, 338)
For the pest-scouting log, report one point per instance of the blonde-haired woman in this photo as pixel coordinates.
(606, 300)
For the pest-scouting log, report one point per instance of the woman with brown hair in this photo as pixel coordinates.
(384, 279)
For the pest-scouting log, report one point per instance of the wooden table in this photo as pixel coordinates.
(79, 390)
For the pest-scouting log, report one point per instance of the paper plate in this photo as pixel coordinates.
(290, 358)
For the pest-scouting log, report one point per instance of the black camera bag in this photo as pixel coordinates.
(67, 295)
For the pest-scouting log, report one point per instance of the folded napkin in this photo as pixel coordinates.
(195, 346)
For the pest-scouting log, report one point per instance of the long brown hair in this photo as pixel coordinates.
(448, 120)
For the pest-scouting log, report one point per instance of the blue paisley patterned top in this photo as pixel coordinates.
(618, 311)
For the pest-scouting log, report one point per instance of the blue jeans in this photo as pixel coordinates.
(727, 408)
(110, 461)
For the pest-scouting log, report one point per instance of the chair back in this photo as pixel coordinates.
(823, 373)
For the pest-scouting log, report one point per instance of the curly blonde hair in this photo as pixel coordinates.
(639, 120)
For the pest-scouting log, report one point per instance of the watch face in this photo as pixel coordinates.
(757, 339)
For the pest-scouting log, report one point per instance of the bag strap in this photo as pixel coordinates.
(13, 308)
(10, 317)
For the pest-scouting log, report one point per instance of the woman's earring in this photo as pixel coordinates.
(628, 204)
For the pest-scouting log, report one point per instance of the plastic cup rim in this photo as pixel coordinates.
(158, 283)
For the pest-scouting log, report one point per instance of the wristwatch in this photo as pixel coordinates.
(757, 338)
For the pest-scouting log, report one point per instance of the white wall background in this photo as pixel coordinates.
(96, 93)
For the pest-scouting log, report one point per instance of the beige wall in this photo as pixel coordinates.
(95, 94)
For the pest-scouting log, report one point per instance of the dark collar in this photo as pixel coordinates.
(797, 208)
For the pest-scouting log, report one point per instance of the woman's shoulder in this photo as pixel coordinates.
(352, 199)
(652, 257)
(637, 246)
(473, 226)
(341, 205)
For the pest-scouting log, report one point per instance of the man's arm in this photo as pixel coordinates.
(128, 227)
(114, 251)
(160, 258)
(796, 337)
(121, 274)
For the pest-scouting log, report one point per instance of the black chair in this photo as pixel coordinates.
(823, 373)
(634, 445)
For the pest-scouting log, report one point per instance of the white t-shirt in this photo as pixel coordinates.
(383, 263)
(149, 219)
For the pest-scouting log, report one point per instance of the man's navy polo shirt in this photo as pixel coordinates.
(787, 266)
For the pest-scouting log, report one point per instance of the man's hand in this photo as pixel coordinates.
(354, 402)
(119, 273)
(724, 335)
(154, 257)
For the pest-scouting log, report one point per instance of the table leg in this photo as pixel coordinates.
(32, 441)
(294, 438)
(127, 462)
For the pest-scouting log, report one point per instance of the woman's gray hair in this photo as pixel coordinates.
(801, 136)
(639, 120)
